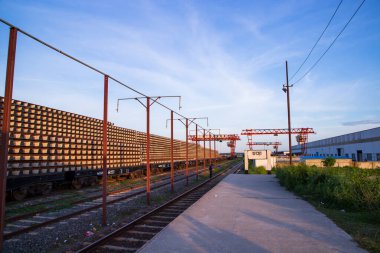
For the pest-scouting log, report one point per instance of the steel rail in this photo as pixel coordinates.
(101, 241)
(120, 190)
(67, 216)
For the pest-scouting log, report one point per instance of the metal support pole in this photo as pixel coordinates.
(196, 150)
(171, 153)
(204, 152)
(147, 106)
(148, 150)
(289, 125)
(105, 170)
(209, 152)
(187, 151)
(214, 151)
(6, 125)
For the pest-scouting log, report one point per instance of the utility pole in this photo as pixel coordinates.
(149, 102)
(196, 151)
(5, 128)
(104, 153)
(171, 152)
(286, 89)
(147, 107)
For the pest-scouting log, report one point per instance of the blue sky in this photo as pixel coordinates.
(225, 58)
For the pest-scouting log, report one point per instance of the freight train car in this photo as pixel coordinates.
(49, 146)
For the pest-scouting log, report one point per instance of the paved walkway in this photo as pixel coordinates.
(251, 213)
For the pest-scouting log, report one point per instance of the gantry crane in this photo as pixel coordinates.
(231, 138)
(302, 134)
(266, 143)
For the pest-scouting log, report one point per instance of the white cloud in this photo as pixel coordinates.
(183, 52)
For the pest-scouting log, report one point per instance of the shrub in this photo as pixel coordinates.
(256, 170)
(274, 170)
(347, 188)
(259, 170)
(329, 162)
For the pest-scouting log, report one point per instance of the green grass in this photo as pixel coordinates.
(57, 205)
(363, 226)
(349, 196)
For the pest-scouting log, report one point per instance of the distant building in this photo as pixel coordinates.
(359, 146)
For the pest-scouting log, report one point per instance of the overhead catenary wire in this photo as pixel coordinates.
(315, 44)
(70, 56)
(332, 43)
(86, 65)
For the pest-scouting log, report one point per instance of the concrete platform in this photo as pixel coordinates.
(251, 213)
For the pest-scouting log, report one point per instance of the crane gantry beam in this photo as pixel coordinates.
(305, 130)
(231, 138)
(302, 136)
(265, 143)
(215, 137)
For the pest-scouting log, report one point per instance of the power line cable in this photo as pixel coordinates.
(315, 44)
(332, 43)
(85, 64)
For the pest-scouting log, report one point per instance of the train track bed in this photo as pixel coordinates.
(80, 203)
(65, 199)
(66, 210)
(132, 236)
(61, 235)
(38, 204)
(14, 208)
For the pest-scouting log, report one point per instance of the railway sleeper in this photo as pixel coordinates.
(146, 235)
(166, 215)
(129, 239)
(150, 226)
(175, 208)
(146, 228)
(156, 223)
(171, 212)
(129, 242)
(162, 217)
(112, 248)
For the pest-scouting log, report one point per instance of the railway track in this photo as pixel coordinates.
(45, 204)
(21, 224)
(132, 236)
(69, 193)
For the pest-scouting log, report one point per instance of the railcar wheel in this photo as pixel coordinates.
(20, 193)
(77, 183)
(93, 181)
(33, 190)
(46, 188)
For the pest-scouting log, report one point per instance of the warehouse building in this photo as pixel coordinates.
(359, 146)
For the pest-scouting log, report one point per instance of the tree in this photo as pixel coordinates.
(329, 162)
